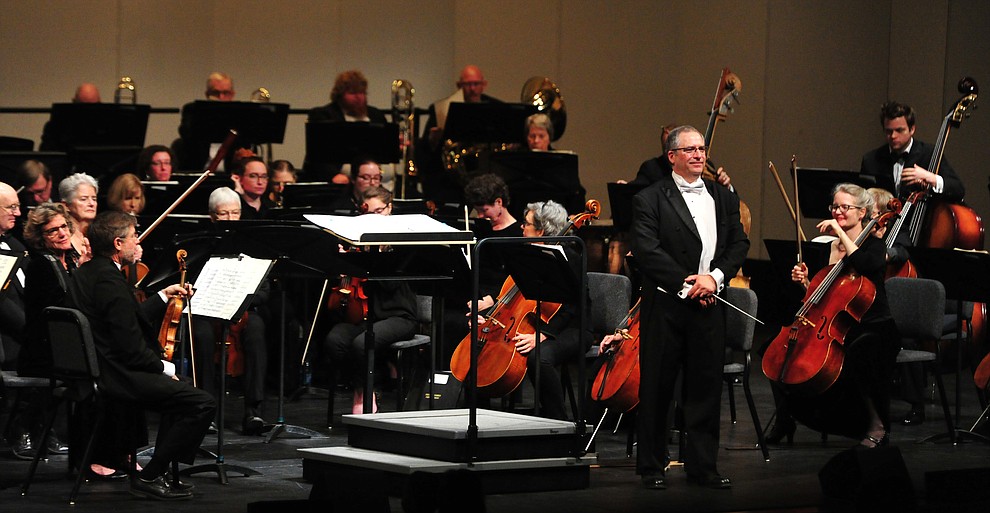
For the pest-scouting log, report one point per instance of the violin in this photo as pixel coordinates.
(501, 369)
(617, 383)
(235, 353)
(135, 274)
(808, 355)
(350, 298)
(168, 334)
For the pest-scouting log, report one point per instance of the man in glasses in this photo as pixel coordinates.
(688, 241)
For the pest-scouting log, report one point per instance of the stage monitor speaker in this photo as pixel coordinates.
(446, 392)
(871, 479)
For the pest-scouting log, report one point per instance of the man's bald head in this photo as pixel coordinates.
(472, 82)
(9, 208)
(86, 93)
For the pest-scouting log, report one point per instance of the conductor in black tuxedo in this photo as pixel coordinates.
(898, 164)
(687, 238)
(130, 370)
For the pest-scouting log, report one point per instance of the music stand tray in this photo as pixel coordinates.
(255, 122)
(99, 124)
(815, 188)
(620, 197)
(540, 176)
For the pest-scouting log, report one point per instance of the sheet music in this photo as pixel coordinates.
(224, 284)
(358, 228)
(7, 264)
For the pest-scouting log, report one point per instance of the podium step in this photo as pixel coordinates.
(331, 470)
(442, 435)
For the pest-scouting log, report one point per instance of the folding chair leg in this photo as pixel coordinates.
(86, 457)
(43, 443)
(732, 402)
(945, 407)
(756, 418)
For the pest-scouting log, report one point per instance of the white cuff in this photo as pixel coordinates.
(719, 279)
(169, 368)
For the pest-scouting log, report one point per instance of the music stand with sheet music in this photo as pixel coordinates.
(224, 288)
(966, 277)
(533, 176)
(815, 188)
(620, 197)
(333, 143)
(285, 243)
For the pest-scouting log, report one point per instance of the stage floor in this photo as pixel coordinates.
(788, 482)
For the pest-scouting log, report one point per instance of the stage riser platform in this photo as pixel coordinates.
(442, 435)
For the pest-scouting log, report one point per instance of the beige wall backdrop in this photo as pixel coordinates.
(813, 74)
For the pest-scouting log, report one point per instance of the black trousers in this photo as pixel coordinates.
(554, 352)
(680, 336)
(207, 339)
(344, 345)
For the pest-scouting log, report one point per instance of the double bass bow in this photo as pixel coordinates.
(501, 369)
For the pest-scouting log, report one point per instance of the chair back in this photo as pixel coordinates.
(610, 301)
(739, 328)
(917, 306)
(424, 309)
(73, 351)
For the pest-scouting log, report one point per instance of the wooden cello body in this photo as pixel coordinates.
(616, 384)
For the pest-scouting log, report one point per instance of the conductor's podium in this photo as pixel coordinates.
(514, 453)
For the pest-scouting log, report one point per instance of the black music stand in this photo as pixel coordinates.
(255, 122)
(220, 466)
(290, 243)
(312, 194)
(552, 283)
(333, 143)
(966, 277)
(815, 188)
(533, 176)
(620, 197)
(98, 137)
(160, 195)
(783, 256)
(487, 122)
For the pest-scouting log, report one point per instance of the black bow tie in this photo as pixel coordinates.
(898, 156)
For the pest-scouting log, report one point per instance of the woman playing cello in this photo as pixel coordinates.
(872, 344)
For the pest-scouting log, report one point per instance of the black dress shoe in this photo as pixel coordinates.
(55, 446)
(654, 482)
(158, 489)
(715, 482)
(253, 425)
(23, 447)
(914, 417)
(179, 484)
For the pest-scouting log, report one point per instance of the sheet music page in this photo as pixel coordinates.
(352, 228)
(7, 264)
(224, 283)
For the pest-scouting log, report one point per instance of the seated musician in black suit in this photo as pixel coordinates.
(896, 163)
(226, 205)
(393, 304)
(124, 333)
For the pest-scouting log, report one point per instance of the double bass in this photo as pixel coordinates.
(501, 369)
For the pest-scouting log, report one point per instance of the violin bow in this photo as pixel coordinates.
(797, 211)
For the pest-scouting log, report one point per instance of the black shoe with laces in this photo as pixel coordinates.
(23, 447)
(158, 489)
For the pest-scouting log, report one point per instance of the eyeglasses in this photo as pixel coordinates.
(692, 150)
(841, 208)
(379, 210)
(257, 177)
(51, 232)
(370, 178)
(227, 213)
(14, 208)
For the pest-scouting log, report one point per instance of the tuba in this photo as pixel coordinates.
(126, 87)
(404, 114)
(545, 95)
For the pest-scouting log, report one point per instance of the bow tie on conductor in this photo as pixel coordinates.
(695, 187)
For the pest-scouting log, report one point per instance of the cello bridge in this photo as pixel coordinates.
(804, 320)
(624, 334)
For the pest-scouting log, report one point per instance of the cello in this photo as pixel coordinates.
(616, 385)
(808, 355)
(501, 369)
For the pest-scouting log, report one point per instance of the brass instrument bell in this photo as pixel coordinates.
(545, 95)
(126, 87)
